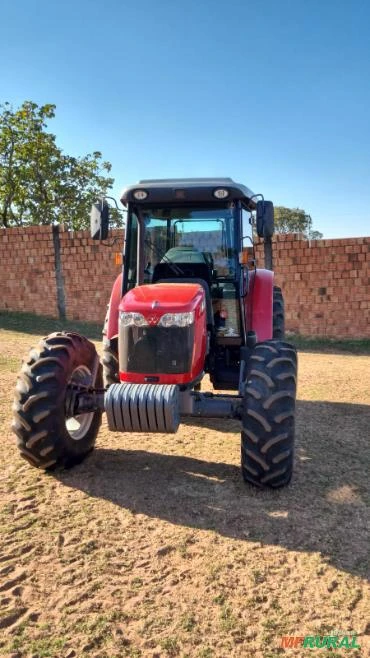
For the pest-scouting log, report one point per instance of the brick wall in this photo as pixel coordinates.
(28, 280)
(326, 283)
(89, 271)
(27, 270)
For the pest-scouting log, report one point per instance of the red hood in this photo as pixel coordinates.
(163, 298)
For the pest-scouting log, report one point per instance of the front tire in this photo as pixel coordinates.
(268, 419)
(45, 436)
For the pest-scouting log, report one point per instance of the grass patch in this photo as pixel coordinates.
(136, 583)
(206, 653)
(188, 622)
(330, 345)
(30, 323)
(220, 599)
(171, 646)
(228, 619)
(45, 647)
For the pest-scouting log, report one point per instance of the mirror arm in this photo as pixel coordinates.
(115, 203)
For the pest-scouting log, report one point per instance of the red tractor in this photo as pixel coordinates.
(189, 301)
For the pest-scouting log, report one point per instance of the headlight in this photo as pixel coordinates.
(132, 319)
(176, 319)
(140, 195)
(221, 193)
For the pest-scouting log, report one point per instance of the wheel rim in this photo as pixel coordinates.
(78, 426)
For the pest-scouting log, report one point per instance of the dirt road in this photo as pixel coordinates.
(155, 547)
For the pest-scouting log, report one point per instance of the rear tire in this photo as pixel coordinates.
(109, 359)
(278, 315)
(268, 419)
(110, 362)
(45, 437)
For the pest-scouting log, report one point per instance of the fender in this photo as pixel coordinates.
(259, 303)
(112, 313)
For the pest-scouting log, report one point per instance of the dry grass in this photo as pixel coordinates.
(155, 547)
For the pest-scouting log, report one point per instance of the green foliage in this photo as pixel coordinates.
(39, 184)
(295, 220)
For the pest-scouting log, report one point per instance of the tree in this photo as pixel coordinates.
(295, 220)
(39, 184)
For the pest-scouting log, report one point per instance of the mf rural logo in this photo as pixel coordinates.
(333, 641)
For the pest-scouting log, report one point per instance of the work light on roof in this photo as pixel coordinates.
(140, 195)
(221, 193)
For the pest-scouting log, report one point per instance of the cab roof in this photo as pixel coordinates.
(170, 190)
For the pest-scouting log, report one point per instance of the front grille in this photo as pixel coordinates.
(156, 349)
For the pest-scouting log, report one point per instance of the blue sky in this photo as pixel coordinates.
(275, 94)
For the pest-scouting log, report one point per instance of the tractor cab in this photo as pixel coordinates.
(195, 231)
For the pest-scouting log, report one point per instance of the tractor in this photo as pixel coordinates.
(189, 302)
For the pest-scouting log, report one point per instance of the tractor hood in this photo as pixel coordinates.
(160, 298)
(163, 350)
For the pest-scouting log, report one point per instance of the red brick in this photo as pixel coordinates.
(302, 268)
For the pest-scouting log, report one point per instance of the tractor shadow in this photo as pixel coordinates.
(325, 509)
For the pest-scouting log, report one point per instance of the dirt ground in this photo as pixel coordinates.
(155, 547)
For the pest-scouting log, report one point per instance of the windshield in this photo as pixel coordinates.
(177, 236)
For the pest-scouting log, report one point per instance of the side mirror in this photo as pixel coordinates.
(265, 219)
(99, 220)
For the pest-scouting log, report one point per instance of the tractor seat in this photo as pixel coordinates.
(205, 286)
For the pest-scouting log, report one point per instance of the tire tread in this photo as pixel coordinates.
(38, 408)
(267, 440)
